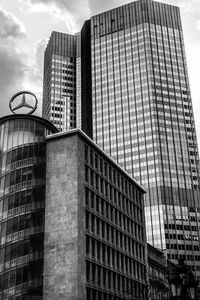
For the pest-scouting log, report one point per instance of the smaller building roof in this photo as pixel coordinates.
(90, 141)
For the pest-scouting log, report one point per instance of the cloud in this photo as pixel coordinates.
(37, 68)
(97, 6)
(73, 7)
(77, 11)
(12, 66)
(72, 13)
(198, 25)
(39, 53)
(34, 75)
(10, 27)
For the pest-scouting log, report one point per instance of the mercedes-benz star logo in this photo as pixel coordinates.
(27, 103)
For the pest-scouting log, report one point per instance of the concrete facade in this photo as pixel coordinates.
(64, 232)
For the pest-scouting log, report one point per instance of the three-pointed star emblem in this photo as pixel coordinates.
(23, 102)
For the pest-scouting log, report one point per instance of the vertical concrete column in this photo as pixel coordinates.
(64, 246)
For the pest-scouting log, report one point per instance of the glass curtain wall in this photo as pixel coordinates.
(143, 118)
(59, 85)
(22, 199)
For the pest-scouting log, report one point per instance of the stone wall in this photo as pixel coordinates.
(64, 246)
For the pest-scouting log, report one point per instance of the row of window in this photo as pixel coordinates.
(181, 237)
(21, 275)
(181, 227)
(117, 238)
(182, 247)
(21, 248)
(61, 59)
(185, 257)
(144, 42)
(20, 153)
(111, 257)
(134, 40)
(22, 174)
(109, 192)
(22, 222)
(13, 201)
(58, 73)
(108, 280)
(107, 62)
(101, 166)
(119, 210)
(59, 67)
(143, 63)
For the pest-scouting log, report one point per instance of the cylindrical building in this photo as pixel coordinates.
(22, 197)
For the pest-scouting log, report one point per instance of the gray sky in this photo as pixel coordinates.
(27, 24)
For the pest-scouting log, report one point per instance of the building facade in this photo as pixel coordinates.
(143, 118)
(159, 268)
(59, 85)
(95, 243)
(136, 104)
(22, 199)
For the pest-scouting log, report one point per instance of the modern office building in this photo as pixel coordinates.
(95, 243)
(135, 103)
(59, 87)
(67, 77)
(22, 199)
(143, 118)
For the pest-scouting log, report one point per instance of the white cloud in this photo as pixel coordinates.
(12, 65)
(56, 12)
(97, 6)
(198, 25)
(72, 13)
(10, 27)
(33, 80)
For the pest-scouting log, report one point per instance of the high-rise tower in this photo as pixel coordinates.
(59, 86)
(143, 118)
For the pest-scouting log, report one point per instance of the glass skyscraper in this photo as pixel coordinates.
(59, 86)
(134, 84)
(143, 118)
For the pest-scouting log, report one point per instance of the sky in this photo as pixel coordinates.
(26, 25)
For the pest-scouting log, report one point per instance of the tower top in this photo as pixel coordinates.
(145, 1)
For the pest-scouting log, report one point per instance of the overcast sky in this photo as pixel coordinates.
(25, 26)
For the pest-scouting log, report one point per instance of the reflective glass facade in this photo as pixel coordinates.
(22, 198)
(143, 118)
(59, 85)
